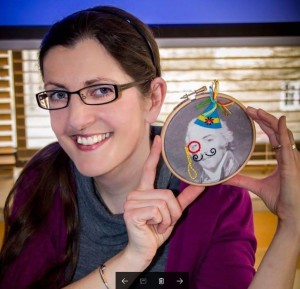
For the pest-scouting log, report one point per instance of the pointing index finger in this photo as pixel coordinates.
(149, 170)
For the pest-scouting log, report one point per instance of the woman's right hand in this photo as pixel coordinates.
(150, 214)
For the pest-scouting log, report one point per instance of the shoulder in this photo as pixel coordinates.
(220, 196)
(219, 221)
(36, 171)
(218, 210)
(225, 195)
(220, 202)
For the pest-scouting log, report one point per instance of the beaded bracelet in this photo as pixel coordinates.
(101, 272)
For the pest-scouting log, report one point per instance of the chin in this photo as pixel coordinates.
(88, 168)
(89, 171)
(210, 167)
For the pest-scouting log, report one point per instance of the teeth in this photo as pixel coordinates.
(88, 141)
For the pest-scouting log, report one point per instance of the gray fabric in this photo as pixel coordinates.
(102, 234)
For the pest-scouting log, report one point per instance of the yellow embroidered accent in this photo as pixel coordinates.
(191, 171)
(203, 119)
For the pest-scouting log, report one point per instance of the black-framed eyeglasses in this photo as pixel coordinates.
(96, 94)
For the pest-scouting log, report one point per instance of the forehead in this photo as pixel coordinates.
(87, 59)
(198, 132)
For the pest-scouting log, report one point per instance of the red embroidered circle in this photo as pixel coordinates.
(194, 147)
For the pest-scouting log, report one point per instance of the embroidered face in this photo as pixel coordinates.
(194, 148)
(207, 146)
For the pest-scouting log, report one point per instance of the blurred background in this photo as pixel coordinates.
(251, 47)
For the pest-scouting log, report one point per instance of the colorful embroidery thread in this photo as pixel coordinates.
(209, 119)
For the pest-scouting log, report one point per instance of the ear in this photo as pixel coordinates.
(156, 99)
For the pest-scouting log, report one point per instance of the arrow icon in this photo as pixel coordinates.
(124, 281)
(180, 281)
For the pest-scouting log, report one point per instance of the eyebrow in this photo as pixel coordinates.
(93, 81)
(55, 84)
(207, 136)
(86, 83)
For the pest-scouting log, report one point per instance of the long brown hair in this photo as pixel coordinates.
(132, 44)
(46, 174)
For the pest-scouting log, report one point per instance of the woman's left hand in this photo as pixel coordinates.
(280, 191)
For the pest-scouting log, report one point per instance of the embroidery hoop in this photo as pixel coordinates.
(175, 149)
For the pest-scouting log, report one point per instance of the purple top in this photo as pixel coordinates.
(214, 241)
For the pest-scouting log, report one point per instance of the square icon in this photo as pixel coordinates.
(143, 281)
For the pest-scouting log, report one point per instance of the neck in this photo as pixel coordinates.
(115, 185)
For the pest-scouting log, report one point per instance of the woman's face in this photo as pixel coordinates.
(99, 138)
(206, 145)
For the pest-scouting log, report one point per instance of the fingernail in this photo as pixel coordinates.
(157, 138)
(251, 108)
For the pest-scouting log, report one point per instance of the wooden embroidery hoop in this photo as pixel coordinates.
(174, 132)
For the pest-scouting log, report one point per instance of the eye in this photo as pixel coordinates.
(194, 147)
(209, 138)
(101, 91)
(57, 95)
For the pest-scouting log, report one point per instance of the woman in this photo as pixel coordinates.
(101, 201)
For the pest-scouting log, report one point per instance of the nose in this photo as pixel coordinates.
(80, 115)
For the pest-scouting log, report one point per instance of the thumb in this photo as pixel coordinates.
(244, 182)
(188, 195)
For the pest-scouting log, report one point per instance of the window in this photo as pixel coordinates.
(265, 77)
(7, 105)
(37, 121)
(290, 96)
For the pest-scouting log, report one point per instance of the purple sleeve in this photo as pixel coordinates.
(215, 241)
(43, 250)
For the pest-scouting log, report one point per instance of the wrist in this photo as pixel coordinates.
(135, 261)
(124, 261)
(290, 232)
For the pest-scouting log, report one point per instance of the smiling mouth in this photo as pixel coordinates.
(91, 140)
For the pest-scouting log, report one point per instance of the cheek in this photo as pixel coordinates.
(57, 123)
(207, 145)
(222, 144)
